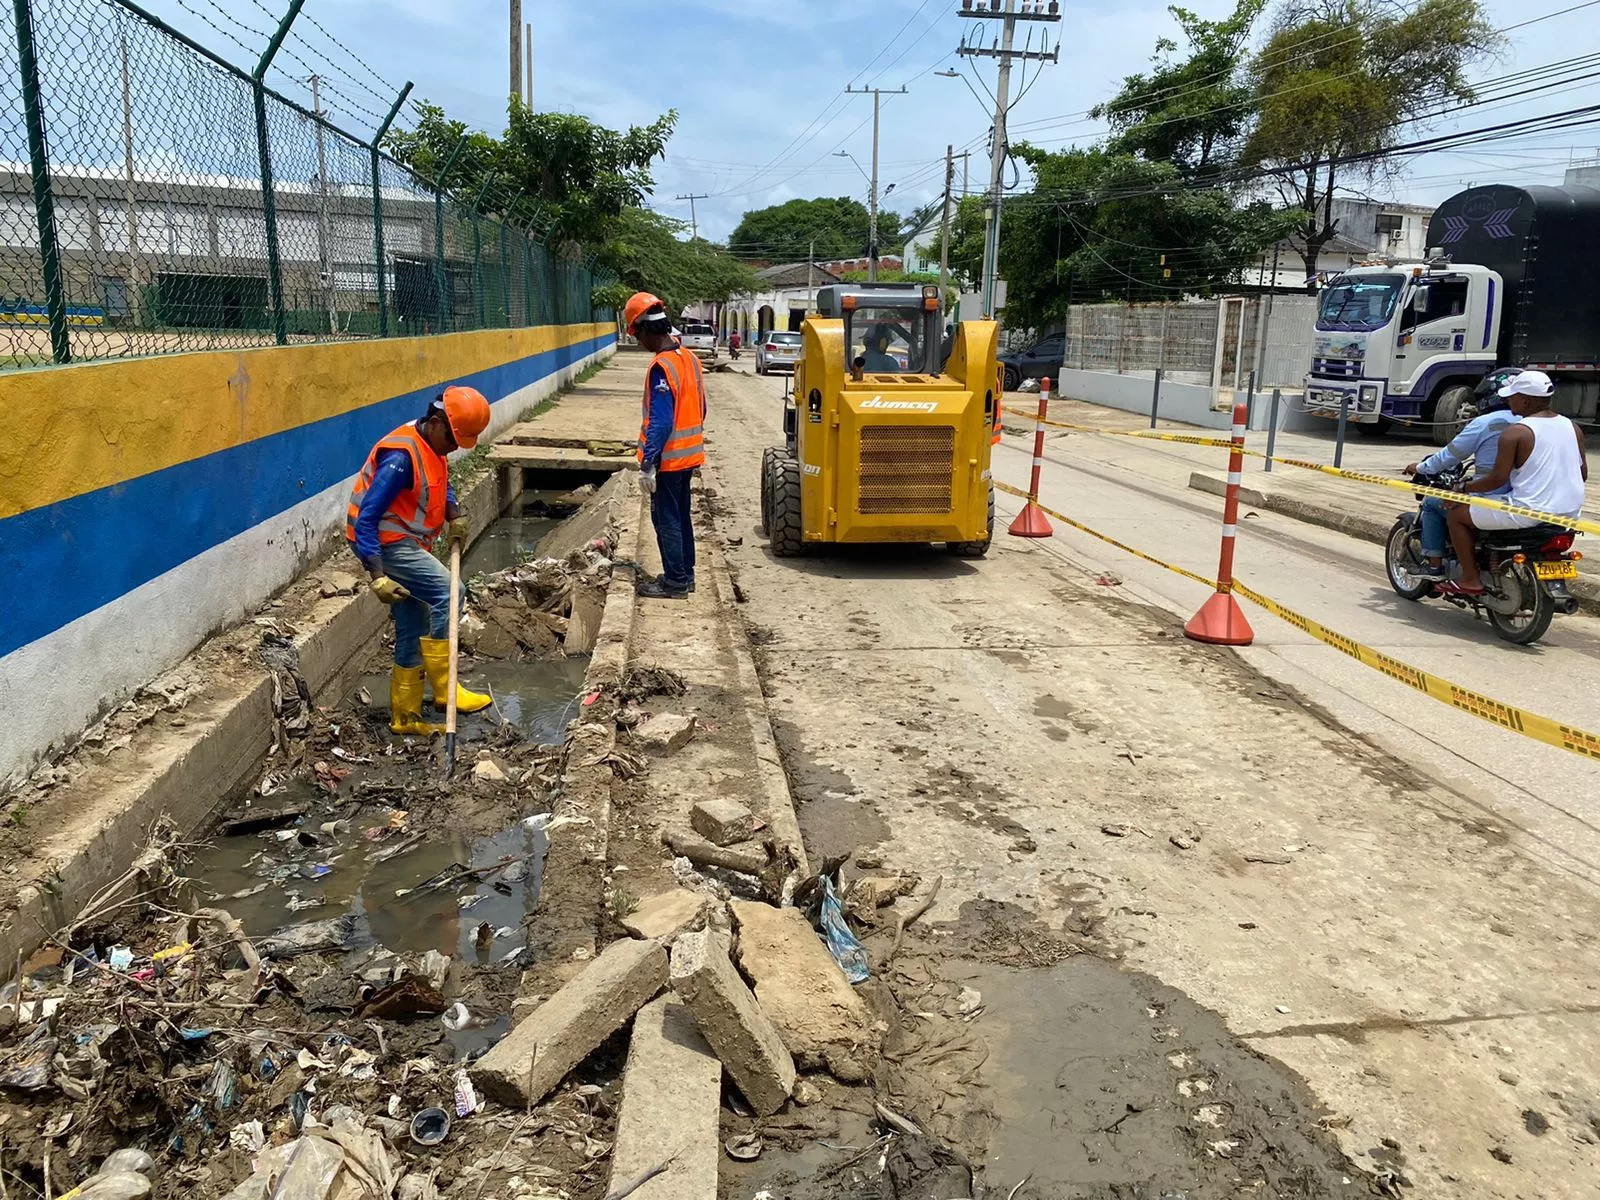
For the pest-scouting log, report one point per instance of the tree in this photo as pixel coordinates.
(580, 175)
(646, 253)
(1339, 78)
(1188, 112)
(838, 228)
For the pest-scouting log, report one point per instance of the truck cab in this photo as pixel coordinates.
(1404, 341)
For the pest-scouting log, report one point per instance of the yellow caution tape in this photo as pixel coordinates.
(1110, 541)
(1469, 498)
(1147, 434)
(1400, 485)
(1507, 716)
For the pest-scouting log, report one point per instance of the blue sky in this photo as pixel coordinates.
(759, 87)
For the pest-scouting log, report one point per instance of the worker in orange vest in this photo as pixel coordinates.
(401, 502)
(671, 442)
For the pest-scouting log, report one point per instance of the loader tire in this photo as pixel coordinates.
(976, 549)
(787, 535)
(767, 456)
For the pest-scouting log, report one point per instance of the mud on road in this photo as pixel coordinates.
(1372, 963)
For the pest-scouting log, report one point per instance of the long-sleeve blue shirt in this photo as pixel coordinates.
(663, 412)
(392, 476)
(1479, 441)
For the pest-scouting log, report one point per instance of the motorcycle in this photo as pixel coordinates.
(1524, 571)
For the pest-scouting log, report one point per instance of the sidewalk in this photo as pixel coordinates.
(1359, 510)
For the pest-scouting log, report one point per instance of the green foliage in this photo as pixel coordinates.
(645, 254)
(839, 228)
(1344, 77)
(1189, 112)
(580, 176)
(892, 276)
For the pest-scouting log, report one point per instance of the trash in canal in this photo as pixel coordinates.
(430, 1127)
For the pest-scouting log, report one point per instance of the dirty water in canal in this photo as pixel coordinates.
(371, 852)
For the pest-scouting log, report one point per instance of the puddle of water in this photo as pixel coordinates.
(516, 536)
(538, 697)
(344, 873)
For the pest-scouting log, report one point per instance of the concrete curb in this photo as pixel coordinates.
(203, 765)
(770, 775)
(589, 787)
(1368, 529)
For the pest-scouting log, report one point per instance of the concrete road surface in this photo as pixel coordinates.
(1394, 900)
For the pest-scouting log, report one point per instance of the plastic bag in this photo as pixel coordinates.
(845, 947)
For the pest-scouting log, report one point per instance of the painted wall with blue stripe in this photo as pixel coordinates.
(127, 473)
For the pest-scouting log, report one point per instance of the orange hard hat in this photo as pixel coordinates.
(467, 412)
(639, 304)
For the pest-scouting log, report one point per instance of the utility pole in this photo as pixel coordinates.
(872, 195)
(1013, 13)
(694, 223)
(944, 225)
(516, 49)
(324, 249)
(811, 276)
(527, 45)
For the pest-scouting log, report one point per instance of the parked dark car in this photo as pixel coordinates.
(1042, 358)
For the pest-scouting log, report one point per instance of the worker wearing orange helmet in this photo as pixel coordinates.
(401, 502)
(671, 442)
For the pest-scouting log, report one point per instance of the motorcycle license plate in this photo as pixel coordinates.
(1556, 570)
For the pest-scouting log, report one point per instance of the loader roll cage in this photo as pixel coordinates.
(885, 321)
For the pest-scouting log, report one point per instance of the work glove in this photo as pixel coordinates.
(455, 530)
(647, 480)
(388, 590)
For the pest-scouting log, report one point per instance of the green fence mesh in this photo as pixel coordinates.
(154, 236)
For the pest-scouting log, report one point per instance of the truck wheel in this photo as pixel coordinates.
(1376, 429)
(766, 489)
(787, 536)
(1012, 380)
(1453, 409)
(980, 548)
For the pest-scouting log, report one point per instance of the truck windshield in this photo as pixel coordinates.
(1359, 301)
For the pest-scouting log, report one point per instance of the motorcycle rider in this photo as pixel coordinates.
(1478, 441)
(1543, 459)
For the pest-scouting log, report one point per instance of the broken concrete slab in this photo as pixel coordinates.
(583, 621)
(663, 917)
(524, 1066)
(666, 732)
(821, 1019)
(671, 1095)
(722, 822)
(732, 1020)
(486, 770)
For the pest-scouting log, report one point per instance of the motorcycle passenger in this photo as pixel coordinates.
(1479, 441)
(1541, 456)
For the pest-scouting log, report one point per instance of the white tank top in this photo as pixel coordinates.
(1552, 478)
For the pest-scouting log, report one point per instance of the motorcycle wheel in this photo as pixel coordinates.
(1399, 559)
(1530, 622)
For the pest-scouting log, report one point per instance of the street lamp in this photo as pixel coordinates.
(872, 210)
(952, 74)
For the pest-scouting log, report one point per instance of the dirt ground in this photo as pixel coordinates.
(1197, 910)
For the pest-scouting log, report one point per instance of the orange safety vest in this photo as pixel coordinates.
(686, 448)
(417, 513)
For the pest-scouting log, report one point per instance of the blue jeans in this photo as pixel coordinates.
(669, 513)
(1434, 539)
(427, 612)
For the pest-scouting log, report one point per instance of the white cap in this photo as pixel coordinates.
(1528, 383)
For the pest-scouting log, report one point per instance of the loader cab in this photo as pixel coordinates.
(893, 328)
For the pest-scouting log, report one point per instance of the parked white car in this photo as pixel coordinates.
(700, 338)
(778, 351)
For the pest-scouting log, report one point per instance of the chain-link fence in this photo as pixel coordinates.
(155, 198)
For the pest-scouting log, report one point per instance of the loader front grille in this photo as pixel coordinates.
(906, 469)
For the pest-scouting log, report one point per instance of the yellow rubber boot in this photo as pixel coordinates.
(436, 662)
(405, 703)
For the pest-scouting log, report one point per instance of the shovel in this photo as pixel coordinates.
(455, 660)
